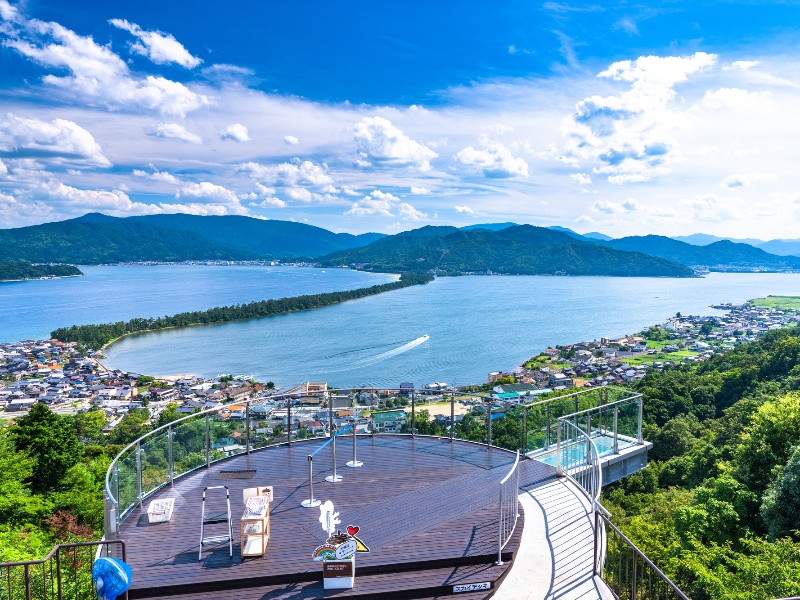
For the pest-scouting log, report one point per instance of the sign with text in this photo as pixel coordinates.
(336, 568)
(472, 587)
(346, 550)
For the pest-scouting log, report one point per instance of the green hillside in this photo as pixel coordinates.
(109, 241)
(721, 254)
(15, 270)
(521, 250)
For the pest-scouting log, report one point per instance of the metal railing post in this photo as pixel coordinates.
(453, 413)
(596, 531)
(639, 437)
(355, 462)
(589, 438)
(559, 467)
(524, 440)
(208, 442)
(27, 575)
(311, 502)
(413, 414)
(330, 417)
(58, 574)
(333, 478)
(547, 430)
(489, 425)
(616, 429)
(289, 420)
(139, 473)
(170, 456)
(633, 581)
(247, 427)
(500, 531)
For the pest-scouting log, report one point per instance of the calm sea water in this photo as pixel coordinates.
(32, 309)
(453, 330)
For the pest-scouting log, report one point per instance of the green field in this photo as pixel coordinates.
(649, 359)
(781, 302)
(545, 361)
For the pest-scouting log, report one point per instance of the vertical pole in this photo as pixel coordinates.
(616, 429)
(559, 468)
(525, 430)
(208, 442)
(169, 455)
(139, 472)
(489, 425)
(27, 576)
(310, 502)
(58, 575)
(633, 583)
(588, 438)
(333, 478)
(596, 530)
(413, 414)
(330, 417)
(500, 530)
(453, 413)
(289, 419)
(247, 427)
(639, 437)
(547, 430)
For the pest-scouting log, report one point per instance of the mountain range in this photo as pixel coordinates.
(498, 247)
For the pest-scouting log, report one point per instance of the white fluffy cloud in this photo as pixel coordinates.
(161, 48)
(380, 143)
(156, 176)
(291, 140)
(290, 174)
(613, 208)
(711, 208)
(175, 131)
(630, 135)
(581, 178)
(383, 204)
(737, 99)
(493, 159)
(75, 200)
(409, 213)
(207, 190)
(464, 210)
(59, 140)
(420, 190)
(236, 132)
(747, 179)
(97, 76)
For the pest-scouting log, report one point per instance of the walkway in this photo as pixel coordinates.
(556, 553)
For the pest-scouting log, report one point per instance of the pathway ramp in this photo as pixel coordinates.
(556, 553)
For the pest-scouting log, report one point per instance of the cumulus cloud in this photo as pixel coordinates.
(291, 140)
(747, 179)
(409, 213)
(614, 208)
(59, 140)
(629, 135)
(3, 168)
(289, 174)
(301, 194)
(464, 210)
(97, 75)
(161, 48)
(741, 65)
(175, 131)
(380, 143)
(737, 99)
(236, 132)
(581, 178)
(114, 201)
(156, 175)
(208, 191)
(711, 208)
(420, 191)
(493, 159)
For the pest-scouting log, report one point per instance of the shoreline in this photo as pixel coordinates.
(49, 277)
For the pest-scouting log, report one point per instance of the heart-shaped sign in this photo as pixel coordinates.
(352, 530)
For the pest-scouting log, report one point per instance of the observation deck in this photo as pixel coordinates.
(453, 511)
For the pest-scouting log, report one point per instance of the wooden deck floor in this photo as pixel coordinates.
(422, 504)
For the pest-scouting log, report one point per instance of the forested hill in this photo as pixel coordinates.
(97, 336)
(723, 254)
(16, 270)
(718, 508)
(521, 250)
(109, 241)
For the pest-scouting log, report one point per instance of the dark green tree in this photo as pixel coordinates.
(51, 441)
(780, 508)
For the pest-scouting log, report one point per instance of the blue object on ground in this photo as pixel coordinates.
(111, 578)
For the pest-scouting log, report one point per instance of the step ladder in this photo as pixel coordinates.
(214, 519)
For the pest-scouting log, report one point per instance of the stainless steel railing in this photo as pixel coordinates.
(509, 508)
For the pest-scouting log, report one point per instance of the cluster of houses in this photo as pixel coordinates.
(607, 361)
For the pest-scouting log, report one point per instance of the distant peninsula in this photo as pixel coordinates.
(99, 336)
(519, 250)
(20, 270)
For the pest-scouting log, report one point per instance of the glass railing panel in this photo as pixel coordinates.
(628, 423)
(127, 494)
(227, 432)
(155, 462)
(188, 445)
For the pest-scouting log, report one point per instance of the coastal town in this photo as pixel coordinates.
(70, 380)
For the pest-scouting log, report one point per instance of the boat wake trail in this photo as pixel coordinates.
(391, 353)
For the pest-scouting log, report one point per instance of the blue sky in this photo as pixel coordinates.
(671, 118)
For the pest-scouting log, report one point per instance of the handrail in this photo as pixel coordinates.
(508, 508)
(628, 584)
(58, 580)
(330, 439)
